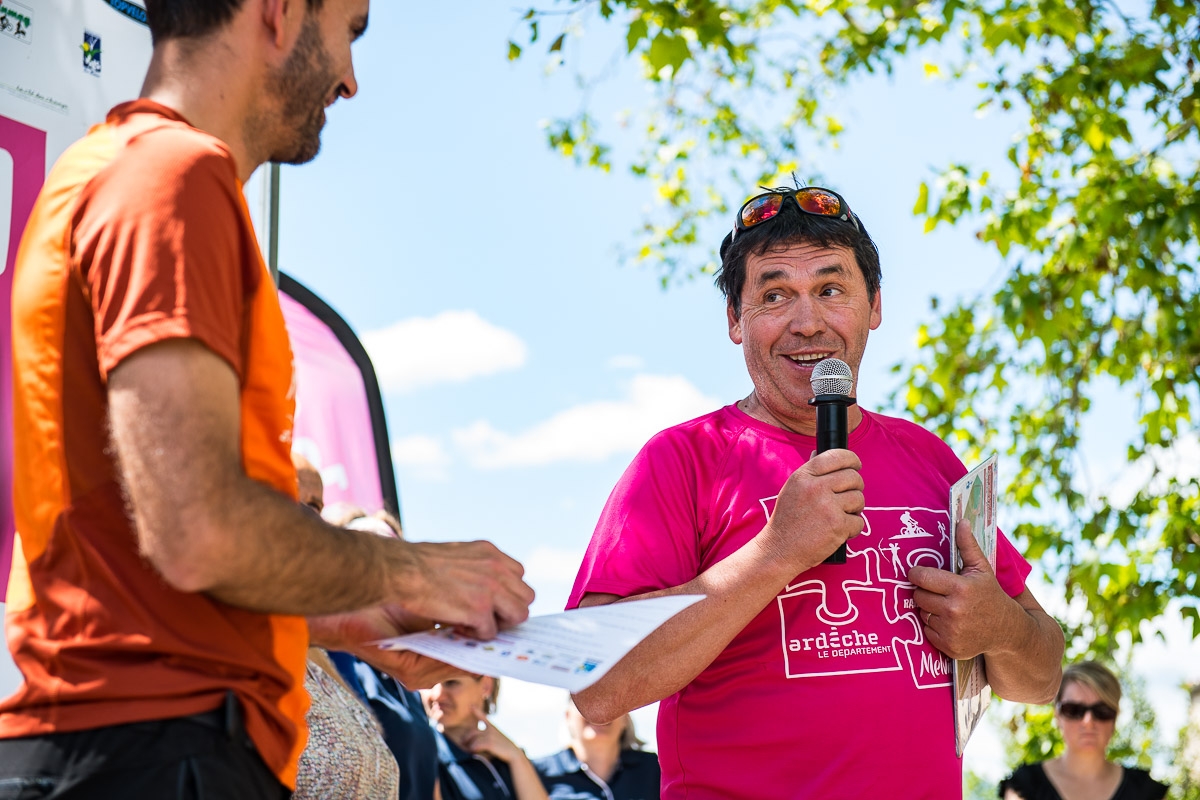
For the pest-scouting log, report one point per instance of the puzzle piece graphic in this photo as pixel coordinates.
(860, 617)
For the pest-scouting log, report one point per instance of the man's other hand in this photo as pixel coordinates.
(355, 631)
(964, 614)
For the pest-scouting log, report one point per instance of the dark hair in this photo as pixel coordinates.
(792, 226)
(183, 19)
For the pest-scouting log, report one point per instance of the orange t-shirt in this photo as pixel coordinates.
(140, 234)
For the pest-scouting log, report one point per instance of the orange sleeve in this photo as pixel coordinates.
(156, 239)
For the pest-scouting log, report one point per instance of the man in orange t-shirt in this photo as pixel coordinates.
(163, 569)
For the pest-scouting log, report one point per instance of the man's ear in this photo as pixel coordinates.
(735, 323)
(877, 309)
(283, 20)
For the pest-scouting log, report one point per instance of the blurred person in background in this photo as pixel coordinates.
(603, 762)
(1085, 712)
(345, 757)
(399, 710)
(341, 512)
(475, 760)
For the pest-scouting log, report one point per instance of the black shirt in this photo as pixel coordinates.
(466, 776)
(1031, 783)
(637, 777)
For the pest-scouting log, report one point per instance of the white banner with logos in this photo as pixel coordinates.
(63, 64)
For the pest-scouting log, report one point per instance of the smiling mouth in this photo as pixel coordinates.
(809, 359)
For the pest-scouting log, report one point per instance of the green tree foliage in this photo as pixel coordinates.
(1095, 214)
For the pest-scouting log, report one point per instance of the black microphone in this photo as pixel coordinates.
(832, 382)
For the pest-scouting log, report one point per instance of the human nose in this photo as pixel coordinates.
(349, 85)
(806, 319)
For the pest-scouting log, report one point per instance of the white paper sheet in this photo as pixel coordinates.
(571, 650)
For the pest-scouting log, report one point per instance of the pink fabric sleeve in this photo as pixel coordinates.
(647, 536)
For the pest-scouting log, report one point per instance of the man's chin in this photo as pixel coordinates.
(300, 155)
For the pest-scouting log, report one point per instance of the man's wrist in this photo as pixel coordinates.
(403, 574)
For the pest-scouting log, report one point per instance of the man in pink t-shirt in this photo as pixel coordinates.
(795, 678)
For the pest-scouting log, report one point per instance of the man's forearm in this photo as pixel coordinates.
(736, 590)
(207, 526)
(1031, 669)
(294, 563)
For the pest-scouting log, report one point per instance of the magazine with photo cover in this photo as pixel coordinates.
(973, 498)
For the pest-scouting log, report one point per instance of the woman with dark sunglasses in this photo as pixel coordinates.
(1085, 712)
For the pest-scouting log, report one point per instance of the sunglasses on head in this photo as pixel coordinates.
(811, 200)
(1101, 712)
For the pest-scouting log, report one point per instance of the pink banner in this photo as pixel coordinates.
(22, 172)
(339, 414)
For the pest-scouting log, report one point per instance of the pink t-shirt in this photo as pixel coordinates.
(831, 691)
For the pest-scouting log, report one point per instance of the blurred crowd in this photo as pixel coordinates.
(371, 737)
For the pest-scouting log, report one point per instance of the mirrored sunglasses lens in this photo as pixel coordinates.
(818, 202)
(761, 209)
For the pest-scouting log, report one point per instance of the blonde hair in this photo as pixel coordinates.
(629, 737)
(1097, 677)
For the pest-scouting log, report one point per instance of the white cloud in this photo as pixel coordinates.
(419, 456)
(551, 573)
(452, 347)
(419, 451)
(626, 362)
(552, 564)
(591, 431)
(1180, 461)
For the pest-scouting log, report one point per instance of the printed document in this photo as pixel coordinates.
(972, 498)
(571, 650)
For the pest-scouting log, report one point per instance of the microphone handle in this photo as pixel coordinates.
(832, 435)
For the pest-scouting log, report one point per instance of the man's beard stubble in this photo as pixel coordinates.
(301, 87)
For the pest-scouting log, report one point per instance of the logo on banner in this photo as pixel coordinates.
(131, 10)
(91, 53)
(15, 20)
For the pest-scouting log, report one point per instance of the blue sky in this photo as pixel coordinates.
(522, 364)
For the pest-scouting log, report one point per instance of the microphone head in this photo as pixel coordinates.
(832, 376)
